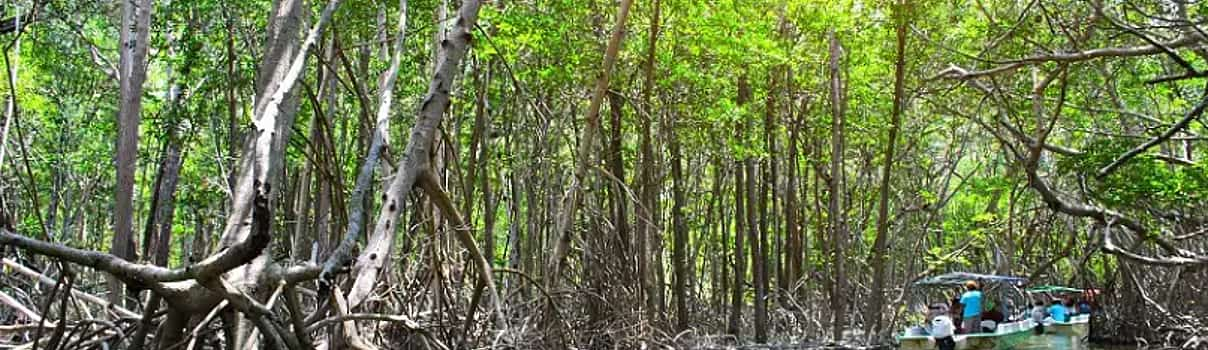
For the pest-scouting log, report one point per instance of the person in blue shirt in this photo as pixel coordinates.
(1058, 312)
(971, 308)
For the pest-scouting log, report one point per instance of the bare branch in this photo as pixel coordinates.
(1070, 57)
(1110, 247)
(127, 271)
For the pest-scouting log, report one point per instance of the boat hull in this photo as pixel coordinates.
(1005, 337)
(1078, 327)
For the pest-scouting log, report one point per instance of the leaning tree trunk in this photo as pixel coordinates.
(586, 144)
(414, 165)
(376, 146)
(263, 162)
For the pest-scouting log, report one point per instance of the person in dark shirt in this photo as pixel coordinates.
(992, 318)
(955, 310)
(1084, 307)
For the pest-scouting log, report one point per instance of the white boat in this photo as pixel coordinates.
(1006, 336)
(1078, 327)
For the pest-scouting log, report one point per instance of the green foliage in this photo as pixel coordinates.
(1143, 180)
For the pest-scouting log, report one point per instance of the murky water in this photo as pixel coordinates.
(1057, 342)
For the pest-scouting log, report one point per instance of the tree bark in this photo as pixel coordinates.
(160, 230)
(680, 247)
(247, 231)
(616, 164)
(231, 101)
(769, 181)
(754, 229)
(793, 255)
(136, 15)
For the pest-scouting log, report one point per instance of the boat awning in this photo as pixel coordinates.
(959, 278)
(1054, 289)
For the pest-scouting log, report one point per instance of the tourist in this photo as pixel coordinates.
(991, 319)
(1058, 311)
(1084, 307)
(971, 306)
(940, 327)
(954, 311)
(1038, 315)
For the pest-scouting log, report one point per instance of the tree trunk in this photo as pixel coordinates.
(740, 200)
(719, 278)
(360, 198)
(133, 71)
(302, 237)
(231, 101)
(753, 233)
(645, 228)
(161, 227)
(489, 203)
(616, 164)
(838, 239)
(769, 181)
(793, 255)
(872, 316)
(262, 165)
(680, 247)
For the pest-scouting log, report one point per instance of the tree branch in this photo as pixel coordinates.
(1187, 118)
(1110, 247)
(1069, 57)
(129, 272)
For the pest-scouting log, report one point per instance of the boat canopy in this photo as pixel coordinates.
(959, 278)
(1054, 289)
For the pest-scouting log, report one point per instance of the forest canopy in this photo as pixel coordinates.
(293, 174)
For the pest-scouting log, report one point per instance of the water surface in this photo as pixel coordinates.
(1058, 342)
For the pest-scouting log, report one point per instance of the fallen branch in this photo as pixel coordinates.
(17, 305)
